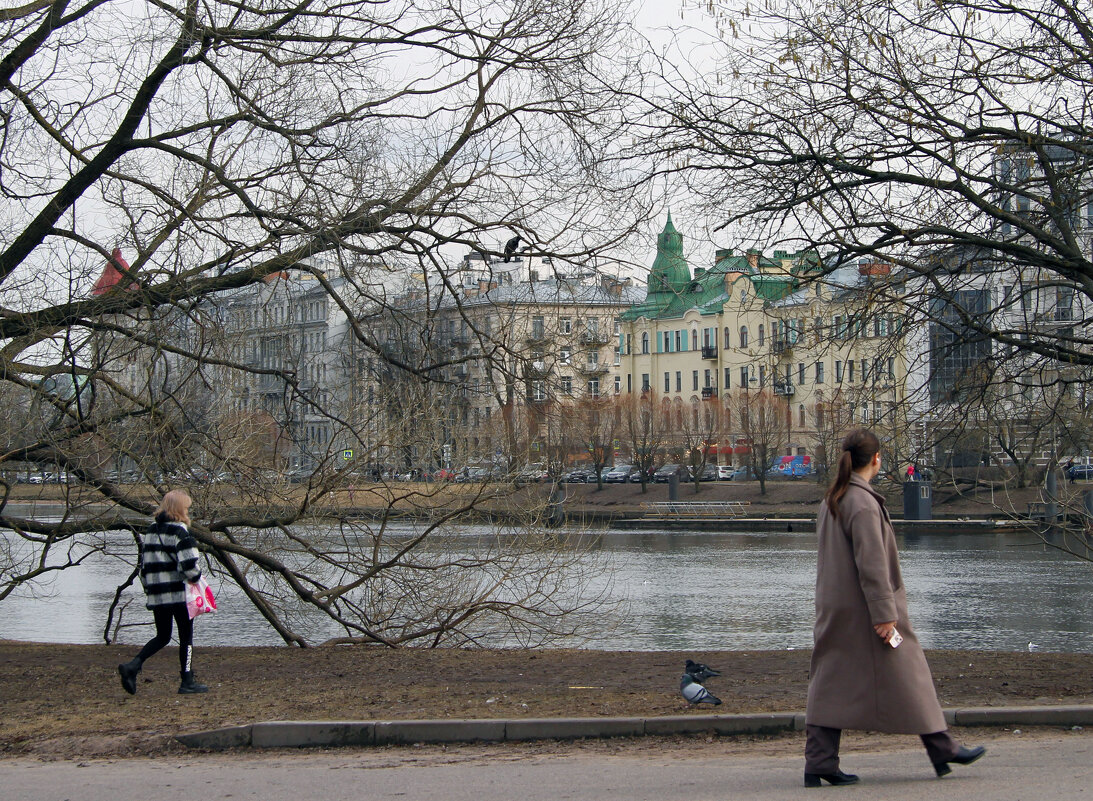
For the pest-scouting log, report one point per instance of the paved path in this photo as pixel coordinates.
(1035, 766)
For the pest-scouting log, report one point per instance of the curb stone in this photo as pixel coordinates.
(330, 734)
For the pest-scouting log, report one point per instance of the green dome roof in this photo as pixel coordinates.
(670, 273)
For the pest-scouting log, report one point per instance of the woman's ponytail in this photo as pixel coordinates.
(858, 449)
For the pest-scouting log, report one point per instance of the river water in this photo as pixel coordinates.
(690, 591)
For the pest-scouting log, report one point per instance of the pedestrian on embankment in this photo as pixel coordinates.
(858, 678)
(168, 559)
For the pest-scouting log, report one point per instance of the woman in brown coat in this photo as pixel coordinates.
(862, 675)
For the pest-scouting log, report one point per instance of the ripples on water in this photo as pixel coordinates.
(693, 591)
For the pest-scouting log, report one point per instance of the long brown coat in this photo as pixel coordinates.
(857, 680)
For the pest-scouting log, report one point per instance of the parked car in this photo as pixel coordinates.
(580, 475)
(664, 474)
(709, 473)
(635, 475)
(618, 474)
(531, 474)
(724, 472)
(744, 473)
(1080, 472)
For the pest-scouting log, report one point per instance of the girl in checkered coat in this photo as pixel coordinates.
(168, 559)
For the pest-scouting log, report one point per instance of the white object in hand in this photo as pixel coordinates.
(895, 639)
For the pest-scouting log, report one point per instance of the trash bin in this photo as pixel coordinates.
(918, 500)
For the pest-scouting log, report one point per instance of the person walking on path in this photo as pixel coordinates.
(859, 678)
(168, 559)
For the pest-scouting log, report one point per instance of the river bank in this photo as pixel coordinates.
(65, 701)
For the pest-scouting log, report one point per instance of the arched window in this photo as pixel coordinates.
(727, 417)
(694, 414)
(644, 341)
(819, 415)
(743, 336)
(694, 339)
(727, 342)
(801, 415)
(762, 334)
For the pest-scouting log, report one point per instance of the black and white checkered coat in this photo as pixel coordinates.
(168, 559)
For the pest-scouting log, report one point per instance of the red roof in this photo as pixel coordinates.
(111, 274)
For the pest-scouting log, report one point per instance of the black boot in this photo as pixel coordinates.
(965, 756)
(189, 686)
(129, 671)
(837, 778)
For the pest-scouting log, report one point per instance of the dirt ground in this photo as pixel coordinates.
(65, 701)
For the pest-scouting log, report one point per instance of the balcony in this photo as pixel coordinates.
(538, 368)
(594, 338)
(537, 336)
(709, 352)
(784, 388)
(779, 347)
(538, 400)
(593, 369)
(708, 393)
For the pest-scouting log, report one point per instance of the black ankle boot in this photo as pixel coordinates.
(189, 686)
(129, 671)
(836, 778)
(965, 756)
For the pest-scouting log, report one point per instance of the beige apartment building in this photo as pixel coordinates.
(762, 354)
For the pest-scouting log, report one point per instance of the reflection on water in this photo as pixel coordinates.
(688, 591)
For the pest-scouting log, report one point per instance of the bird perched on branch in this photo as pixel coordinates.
(695, 693)
(510, 247)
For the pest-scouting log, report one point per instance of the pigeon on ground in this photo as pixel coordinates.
(700, 672)
(695, 693)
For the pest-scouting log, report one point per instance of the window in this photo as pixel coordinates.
(667, 342)
(819, 415)
(594, 388)
(538, 329)
(762, 376)
(694, 339)
(801, 373)
(565, 356)
(891, 367)
(694, 380)
(743, 336)
(644, 382)
(728, 375)
(618, 325)
(762, 334)
(567, 385)
(538, 390)
(593, 358)
(679, 381)
(565, 325)
(801, 415)
(629, 349)
(644, 341)
(838, 372)
(728, 344)
(743, 378)
(679, 341)
(838, 328)
(850, 371)
(707, 378)
(618, 384)
(819, 372)
(667, 382)
(864, 371)
(618, 356)
(629, 383)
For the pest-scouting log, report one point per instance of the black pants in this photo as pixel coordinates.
(822, 748)
(164, 615)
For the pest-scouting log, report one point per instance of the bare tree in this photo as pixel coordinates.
(762, 418)
(949, 140)
(644, 430)
(271, 169)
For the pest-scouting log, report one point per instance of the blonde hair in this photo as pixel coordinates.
(174, 506)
